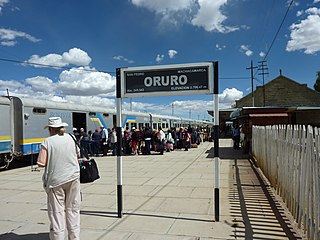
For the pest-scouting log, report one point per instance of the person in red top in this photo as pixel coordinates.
(134, 140)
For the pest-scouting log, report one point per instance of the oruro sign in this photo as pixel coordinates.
(177, 79)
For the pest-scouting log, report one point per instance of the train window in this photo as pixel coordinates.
(39, 110)
(92, 114)
(127, 126)
(140, 125)
(167, 125)
(106, 114)
(163, 125)
(133, 125)
(155, 126)
(147, 124)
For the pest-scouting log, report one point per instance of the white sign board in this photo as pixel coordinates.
(176, 79)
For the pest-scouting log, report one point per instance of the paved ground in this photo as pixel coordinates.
(166, 196)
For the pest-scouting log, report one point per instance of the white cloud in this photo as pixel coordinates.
(195, 106)
(85, 81)
(8, 43)
(81, 85)
(97, 89)
(41, 84)
(2, 3)
(300, 13)
(294, 3)
(139, 106)
(164, 5)
(170, 12)
(210, 16)
(122, 58)
(316, 1)
(159, 58)
(245, 49)
(17, 88)
(92, 101)
(172, 53)
(8, 37)
(49, 60)
(229, 95)
(220, 47)
(74, 56)
(10, 85)
(305, 35)
(262, 54)
(313, 11)
(199, 107)
(206, 14)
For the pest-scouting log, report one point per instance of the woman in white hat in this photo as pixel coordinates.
(58, 155)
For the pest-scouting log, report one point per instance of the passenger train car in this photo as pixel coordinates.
(22, 122)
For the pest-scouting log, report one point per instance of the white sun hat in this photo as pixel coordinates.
(56, 122)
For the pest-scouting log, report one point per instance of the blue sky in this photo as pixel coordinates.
(88, 40)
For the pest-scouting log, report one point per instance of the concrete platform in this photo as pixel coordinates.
(166, 196)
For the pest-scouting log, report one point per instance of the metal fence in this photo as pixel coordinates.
(289, 157)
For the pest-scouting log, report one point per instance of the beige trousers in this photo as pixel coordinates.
(64, 207)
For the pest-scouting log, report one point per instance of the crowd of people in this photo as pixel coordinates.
(137, 141)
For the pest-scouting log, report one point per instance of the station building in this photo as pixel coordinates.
(280, 101)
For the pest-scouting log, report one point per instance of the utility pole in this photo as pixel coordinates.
(264, 70)
(251, 68)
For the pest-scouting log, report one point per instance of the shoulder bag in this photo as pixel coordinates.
(88, 167)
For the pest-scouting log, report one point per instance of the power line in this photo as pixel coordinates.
(279, 28)
(69, 68)
(50, 66)
(265, 24)
(258, 80)
(275, 37)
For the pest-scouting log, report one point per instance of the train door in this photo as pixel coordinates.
(16, 124)
(79, 120)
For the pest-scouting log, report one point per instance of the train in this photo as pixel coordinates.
(22, 122)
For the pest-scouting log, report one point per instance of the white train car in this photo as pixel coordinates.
(5, 126)
(23, 120)
(138, 120)
(165, 122)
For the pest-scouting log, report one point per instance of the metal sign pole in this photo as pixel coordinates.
(119, 144)
(216, 143)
